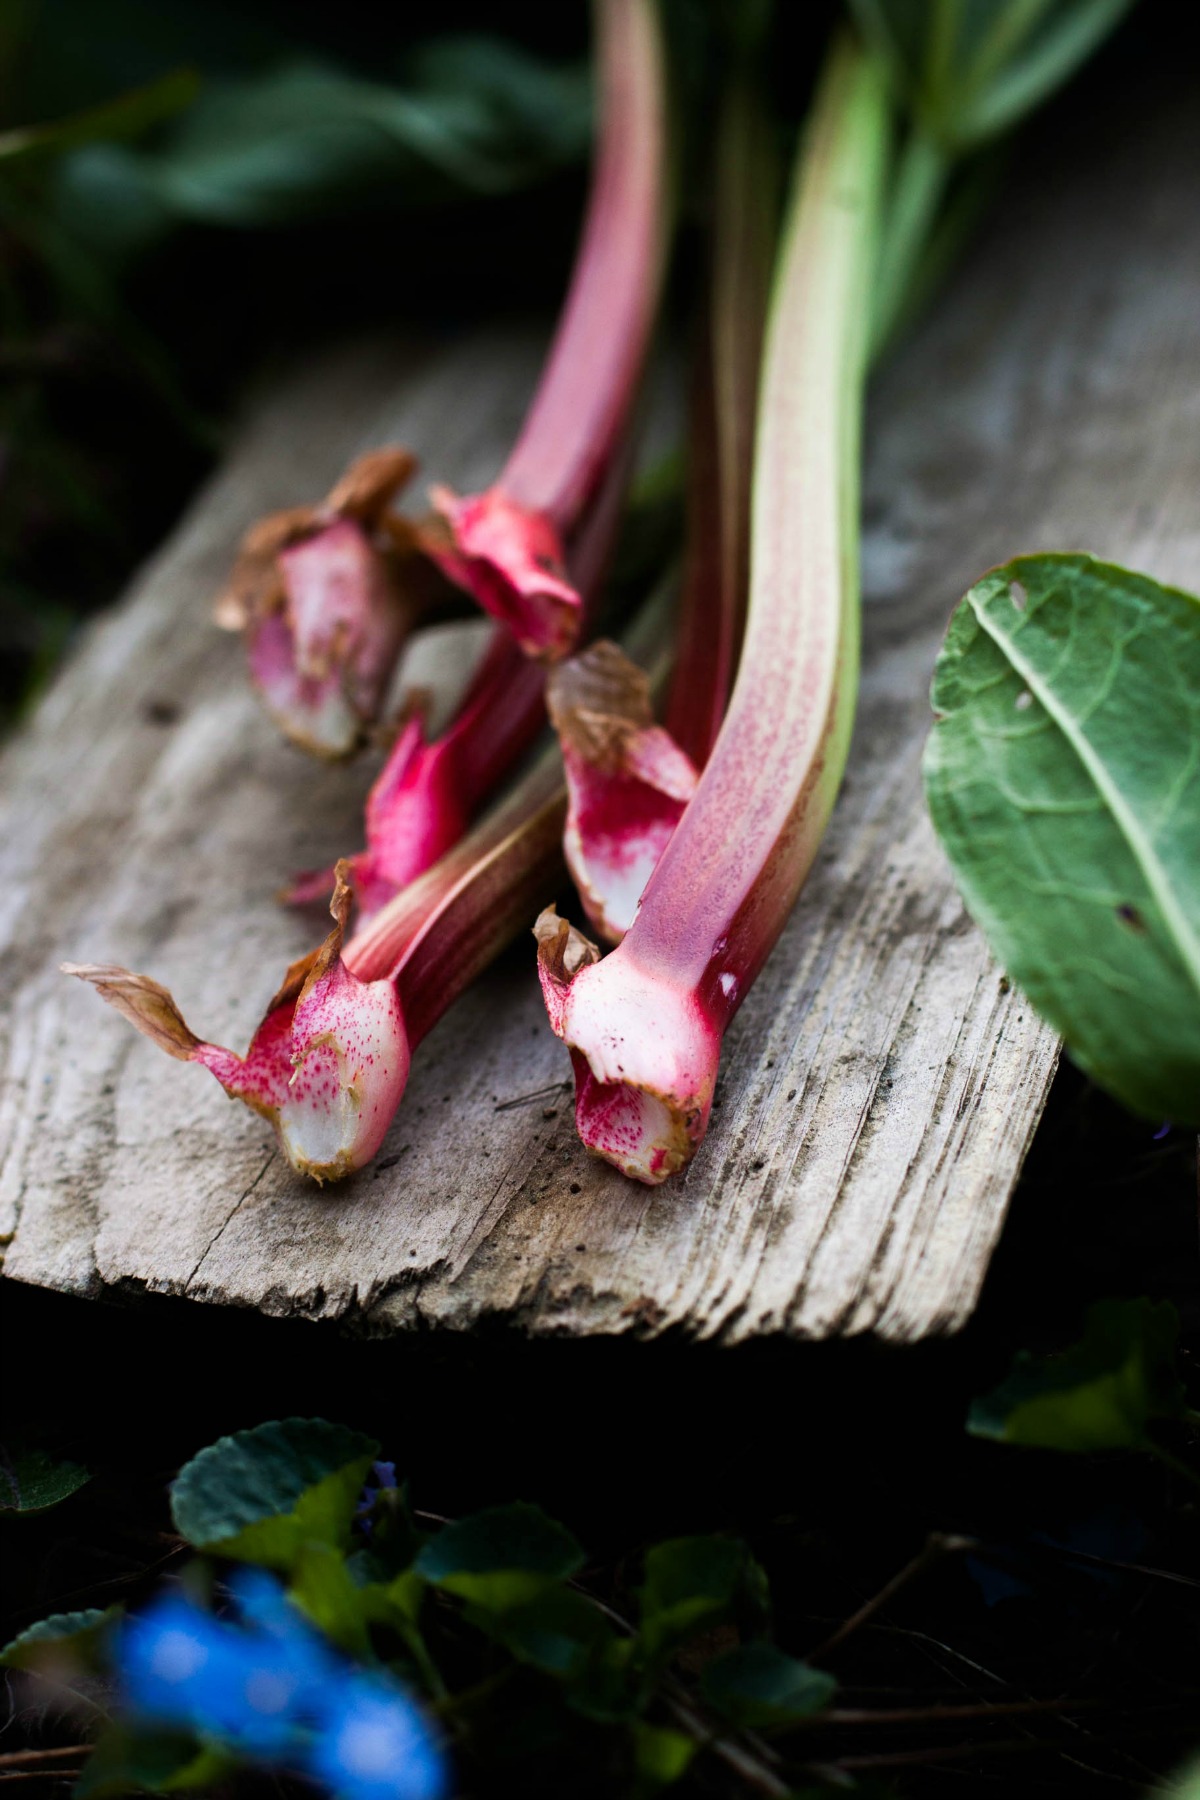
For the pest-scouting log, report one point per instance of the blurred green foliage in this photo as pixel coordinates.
(183, 185)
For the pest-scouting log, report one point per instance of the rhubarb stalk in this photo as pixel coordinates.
(427, 793)
(509, 545)
(329, 1063)
(327, 596)
(629, 779)
(644, 1026)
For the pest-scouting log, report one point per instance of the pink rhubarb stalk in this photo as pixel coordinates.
(629, 779)
(327, 596)
(329, 1063)
(427, 793)
(509, 545)
(644, 1026)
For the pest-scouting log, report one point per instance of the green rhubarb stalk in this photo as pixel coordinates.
(645, 1025)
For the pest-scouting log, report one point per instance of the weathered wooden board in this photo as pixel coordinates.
(880, 1086)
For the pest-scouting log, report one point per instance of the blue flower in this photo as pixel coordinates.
(270, 1688)
(373, 1744)
(180, 1666)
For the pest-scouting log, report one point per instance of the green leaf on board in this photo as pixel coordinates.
(500, 1558)
(757, 1686)
(1101, 1394)
(74, 1636)
(262, 1495)
(30, 1481)
(692, 1584)
(1063, 778)
(661, 1757)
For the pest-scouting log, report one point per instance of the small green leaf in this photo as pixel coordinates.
(693, 1584)
(125, 116)
(151, 1762)
(323, 1589)
(500, 1558)
(1184, 1784)
(558, 1632)
(264, 1494)
(75, 1634)
(30, 1481)
(1102, 1394)
(972, 71)
(1063, 777)
(661, 1757)
(756, 1686)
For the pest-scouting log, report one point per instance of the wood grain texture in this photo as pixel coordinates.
(880, 1085)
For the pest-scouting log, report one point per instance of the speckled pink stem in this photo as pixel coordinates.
(328, 1065)
(427, 793)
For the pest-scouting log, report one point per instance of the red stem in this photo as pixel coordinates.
(581, 408)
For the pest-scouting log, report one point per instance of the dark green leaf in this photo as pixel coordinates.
(500, 1558)
(559, 1632)
(150, 1762)
(126, 116)
(660, 1757)
(30, 1481)
(756, 1686)
(75, 1635)
(311, 141)
(323, 1588)
(1063, 777)
(693, 1584)
(971, 69)
(262, 1495)
(1102, 1394)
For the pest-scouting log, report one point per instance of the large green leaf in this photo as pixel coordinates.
(1102, 1394)
(262, 1495)
(30, 1481)
(1063, 776)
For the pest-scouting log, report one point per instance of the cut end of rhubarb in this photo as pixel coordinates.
(414, 814)
(511, 560)
(327, 1066)
(326, 596)
(628, 782)
(350, 1060)
(645, 1054)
